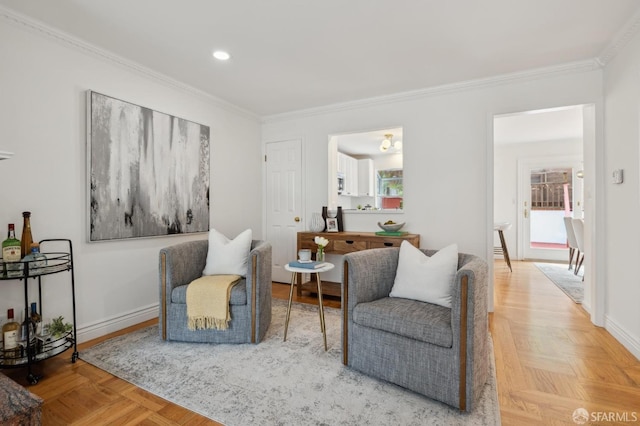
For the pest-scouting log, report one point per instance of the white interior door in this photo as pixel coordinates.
(549, 189)
(283, 203)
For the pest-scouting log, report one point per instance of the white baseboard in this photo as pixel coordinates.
(623, 336)
(110, 325)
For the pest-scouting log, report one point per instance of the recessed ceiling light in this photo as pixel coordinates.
(221, 55)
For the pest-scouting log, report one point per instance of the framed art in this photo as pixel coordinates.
(332, 224)
(148, 171)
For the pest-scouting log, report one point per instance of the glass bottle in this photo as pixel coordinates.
(35, 260)
(27, 239)
(11, 253)
(36, 319)
(10, 332)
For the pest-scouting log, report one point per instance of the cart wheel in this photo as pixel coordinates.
(33, 379)
(74, 357)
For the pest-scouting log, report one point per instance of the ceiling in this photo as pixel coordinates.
(289, 55)
(538, 126)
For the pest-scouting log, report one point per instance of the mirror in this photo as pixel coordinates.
(365, 171)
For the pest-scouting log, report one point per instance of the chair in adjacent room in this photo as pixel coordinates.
(249, 303)
(501, 227)
(438, 351)
(578, 229)
(571, 239)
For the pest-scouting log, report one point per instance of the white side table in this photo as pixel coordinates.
(327, 267)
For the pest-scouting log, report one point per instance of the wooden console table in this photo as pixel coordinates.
(343, 243)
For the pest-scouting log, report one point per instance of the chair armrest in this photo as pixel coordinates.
(472, 345)
(260, 255)
(475, 270)
(370, 274)
(182, 263)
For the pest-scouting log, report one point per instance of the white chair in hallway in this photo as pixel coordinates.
(578, 229)
(571, 238)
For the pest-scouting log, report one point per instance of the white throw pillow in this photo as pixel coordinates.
(428, 279)
(228, 257)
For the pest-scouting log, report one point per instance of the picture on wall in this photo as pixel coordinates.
(148, 171)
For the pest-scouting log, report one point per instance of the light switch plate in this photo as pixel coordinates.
(618, 176)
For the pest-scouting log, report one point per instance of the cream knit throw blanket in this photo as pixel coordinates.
(208, 301)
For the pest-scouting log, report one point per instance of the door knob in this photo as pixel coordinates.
(297, 219)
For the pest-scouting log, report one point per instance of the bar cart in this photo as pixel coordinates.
(43, 346)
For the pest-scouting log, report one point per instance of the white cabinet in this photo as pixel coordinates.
(366, 181)
(348, 167)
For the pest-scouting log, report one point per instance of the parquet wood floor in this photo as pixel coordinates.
(550, 360)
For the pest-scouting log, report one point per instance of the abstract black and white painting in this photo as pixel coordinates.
(148, 171)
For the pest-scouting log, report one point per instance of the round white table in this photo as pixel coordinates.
(294, 271)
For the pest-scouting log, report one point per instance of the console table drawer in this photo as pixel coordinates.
(307, 242)
(385, 243)
(348, 246)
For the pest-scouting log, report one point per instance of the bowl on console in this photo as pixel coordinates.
(391, 227)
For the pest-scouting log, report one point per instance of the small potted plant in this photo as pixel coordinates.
(58, 328)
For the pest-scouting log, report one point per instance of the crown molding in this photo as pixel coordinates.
(68, 40)
(621, 39)
(523, 76)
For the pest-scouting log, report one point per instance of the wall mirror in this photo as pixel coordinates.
(365, 171)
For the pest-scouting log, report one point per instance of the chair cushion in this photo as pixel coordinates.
(428, 279)
(238, 294)
(409, 318)
(228, 257)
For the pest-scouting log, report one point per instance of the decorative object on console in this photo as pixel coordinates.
(169, 191)
(337, 214)
(316, 223)
(391, 226)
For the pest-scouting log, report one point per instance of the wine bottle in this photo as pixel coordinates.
(10, 338)
(36, 319)
(27, 239)
(27, 337)
(11, 253)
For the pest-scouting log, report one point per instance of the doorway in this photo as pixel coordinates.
(529, 147)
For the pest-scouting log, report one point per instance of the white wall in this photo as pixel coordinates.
(42, 117)
(506, 158)
(622, 228)
(446, 178)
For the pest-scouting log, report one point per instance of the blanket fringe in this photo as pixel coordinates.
(202, 323)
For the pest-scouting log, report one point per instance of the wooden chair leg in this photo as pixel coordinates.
(505, 252)
(572, 251)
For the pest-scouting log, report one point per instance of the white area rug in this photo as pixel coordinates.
(565, 279)
(277, 383)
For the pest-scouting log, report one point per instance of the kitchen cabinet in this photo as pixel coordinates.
(366, 181)
(348, 169)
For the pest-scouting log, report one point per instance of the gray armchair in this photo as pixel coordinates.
(250, 300)
(439, 352)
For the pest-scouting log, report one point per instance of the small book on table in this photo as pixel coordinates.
(307, 265)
